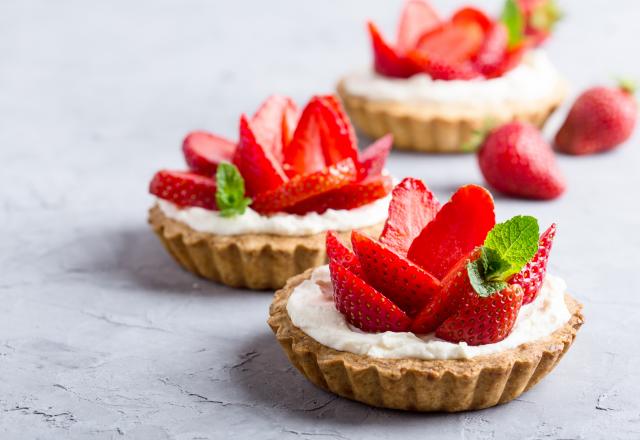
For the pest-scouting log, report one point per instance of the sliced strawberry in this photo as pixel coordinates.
(184, 188)
(363, 306)
(290, 118)
(258, 167)
(444, 70)
(417, 17)
(532, 275)
(412, 206)
(453, 287)
(493, 48)
(302, 187)
(373, 159)
(404, 283)
(339, 253)
(451, 43)
(386, 61)
(338, 138)
(204, 151)
(460, 226)
(350, 196)
(304, 153)
(267, 123)
(470, 16)
(509, 61)
(483, 320)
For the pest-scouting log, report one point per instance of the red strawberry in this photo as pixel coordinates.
(470, 15)
(532, 275)
(483, 320)
(404, 283)
(350, 196)
(601, 119)
(290, 118)
(267, 123)
(258, 167)
(373, 158)
(204, 151)
(453, 287)
(510, 60)
(302, 187)
(451, 43)
(338, 138)
(493, 49)
(417, 17)
(444, 70)
(540, 17)
(363, 306)
(184, 188)
(412, 206)
(517, 161)
(339, 253)
(460, 226)
(388, 62)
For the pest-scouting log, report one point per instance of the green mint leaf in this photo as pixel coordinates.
(514, 241)
(480, 284)
(494, 267)
(513, 19)
(230, 191)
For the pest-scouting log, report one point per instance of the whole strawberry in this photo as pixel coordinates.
(516, 160)
(601, 119)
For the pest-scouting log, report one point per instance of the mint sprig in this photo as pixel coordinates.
(514, 20)
(507, 248)
(230, 196)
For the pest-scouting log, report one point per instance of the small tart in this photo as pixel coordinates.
(435, 128)
(421, 385)
(254, 261)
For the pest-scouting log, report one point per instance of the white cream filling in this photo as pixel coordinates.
(251, 222)
(311, 309)
(534, 80)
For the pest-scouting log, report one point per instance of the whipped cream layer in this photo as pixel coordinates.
(534, 80)
(311, 309)
(204, 220)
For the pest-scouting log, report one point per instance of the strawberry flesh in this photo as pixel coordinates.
(184, 188)
(417, 17)
(472, 16)
(386, 60)
(451, 43)
(204, 151)
(342, 255)
(372, 160)
(268, 125)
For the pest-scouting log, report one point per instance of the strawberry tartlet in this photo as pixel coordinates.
(445, 79)
(446, 311)
(254, 213)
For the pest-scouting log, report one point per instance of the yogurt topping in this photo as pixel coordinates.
(251, 222)
(311, 309)
(533, 80)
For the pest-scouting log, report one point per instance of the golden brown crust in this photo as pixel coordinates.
(416, 384)
(437, 129)
(255, 261)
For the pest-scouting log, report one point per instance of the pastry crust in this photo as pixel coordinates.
(255, 261)
(417, 384)
(438, 128)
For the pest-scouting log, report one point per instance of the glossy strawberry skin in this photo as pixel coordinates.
(350, 196)
(459, 227)
(184, 188)
(453, 287)
(386, 60)
(532, 275)
(342, 255)
(517, 161)
(412, 206)
(404, 283)
(363, 306)
(204, 151)
(260, 170)
(302, 187)
(479, 321)
(601, 119)
(373, 159)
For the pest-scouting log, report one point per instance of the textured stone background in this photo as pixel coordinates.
(102, 336)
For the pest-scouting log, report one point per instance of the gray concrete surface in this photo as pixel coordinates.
(102, 336)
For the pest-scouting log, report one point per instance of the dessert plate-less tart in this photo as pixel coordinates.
(253, 213)
(446, 311)
(443, 79)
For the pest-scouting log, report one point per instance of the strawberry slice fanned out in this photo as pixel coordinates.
(269, 123)
(339, 253)
(461, 225)
(184, 188)
(302, 187)
(373, 158)
(363, 306)
(532, 275)
(412, 206)
(260, 170)
(417, 18)
(386, 60)
(406, 284)
(203, 151)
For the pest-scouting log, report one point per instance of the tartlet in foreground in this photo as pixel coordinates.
(429, 344)
(445, 79)
(253, 214)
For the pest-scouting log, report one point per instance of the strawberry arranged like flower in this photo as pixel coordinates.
(450, 270)
(468, 45)
(285, 161)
